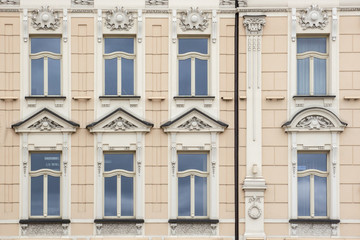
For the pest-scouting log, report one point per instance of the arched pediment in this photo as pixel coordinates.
(314, 119)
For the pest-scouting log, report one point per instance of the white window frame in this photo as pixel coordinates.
(119, 56)
(46, 56)
(312, 173)
(192, 173)
(193, 56)
(119, 173)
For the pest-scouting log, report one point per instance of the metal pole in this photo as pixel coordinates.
(236, 122)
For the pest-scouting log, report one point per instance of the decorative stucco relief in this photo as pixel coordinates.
(45, 124)
(120, 124)
(231, 3)
(194, 229)
(9, 2)
(194, 19)
(45, 18)
(83, 2)
(312, 229)
(254, 210)
(156, 2)
(119, 19)
(315, 122)
(254, 24)
(111, 229)
(53, 229)
(313, 17)
(194, 124)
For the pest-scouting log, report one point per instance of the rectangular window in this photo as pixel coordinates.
(312, 185)
(119, 62)
(193, 57)
(119, 185)
(45, 174)
(192, 185)
(45, 61)
(312, 61)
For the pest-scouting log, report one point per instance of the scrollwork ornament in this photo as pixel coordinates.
(45, 19)
(9, 2)
(313, 17)
(83, 2)
(254, 24)
(315, 122)
(254, 210)
(119, 19)
(194, 19)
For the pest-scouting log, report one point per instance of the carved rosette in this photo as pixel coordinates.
(254, 210)
(120, 124)
(194, 124)
(83, 2)
(45, 19)
(45, 124)
(194, 19)
(315, 122)
(313, 17)
(156, 2)
(119, 19)
(254, 24)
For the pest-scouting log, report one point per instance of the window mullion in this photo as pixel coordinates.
(192, 195)
(312, 196)
(46, 70)
(119, 75)
(192, 76)
(119, 195)
(45, 193)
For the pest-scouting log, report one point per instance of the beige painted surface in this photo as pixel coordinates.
(82, 112)
(9, 114)
(156, 142)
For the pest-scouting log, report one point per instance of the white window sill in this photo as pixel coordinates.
(207, 100)
(58, 100)
(106, 100)
(326, 100)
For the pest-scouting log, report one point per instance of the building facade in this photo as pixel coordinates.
(117, 119)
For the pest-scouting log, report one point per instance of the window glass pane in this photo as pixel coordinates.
(304, 196)
(303, 76)
(45, 45)
(45, 160)
(184, 196)
(127, 196)
(111, 76)
(312, 161)
(54, 85)
(192, 161)
(53, 196)
(119, 45)
(200, 196)
(311, 44)
(201, 77)
(37, 76)
(185, 77)
(110, 196)
(37, 196)
(119, 161)
(199, 45)
(320, 192)
(127, 76)
(319, 76)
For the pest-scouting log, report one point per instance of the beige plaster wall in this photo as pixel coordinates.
(274, 114)
(226, 149)
(156, 111)
(82, 112)
(349, 85)
(9, 114)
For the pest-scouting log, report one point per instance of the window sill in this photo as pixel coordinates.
(195, 220)
(44, 220)
(327, 100)
(180, 100)
(106, 100)
(58, 100)
(314, 96)
(314, 220)
(118, 220)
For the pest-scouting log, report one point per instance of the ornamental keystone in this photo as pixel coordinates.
(313, 17)
(194, 19)
(119, 19)
(45, 19)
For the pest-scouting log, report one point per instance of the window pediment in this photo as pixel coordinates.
(314, 119)
(194, 121)
(120, 121)
(45, 121)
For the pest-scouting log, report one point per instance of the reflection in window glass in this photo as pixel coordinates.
(184, 196)
(37, 76)
(127, 196)
(185, 77)
(110, 199)
(53, 196)
(37, 196)
(111, 76)
(127, 76)
(187, 45)
(304, 196)
(200, 196)
(45, 45)
(54, 76)
(119, 45)
(192, 161)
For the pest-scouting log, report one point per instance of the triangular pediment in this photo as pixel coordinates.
(194, 120)
(314, 119)
(120, 120)
(45, 120)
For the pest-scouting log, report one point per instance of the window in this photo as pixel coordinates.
(45, 66)
(192, 185)
(119, 185)
(45, 174)
(193, 66)
(119, 63)
(312, 185)
(312, 60)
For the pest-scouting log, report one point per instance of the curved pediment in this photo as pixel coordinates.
(45, 120)
(120, 120)
(194, 120)
(315, 119)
